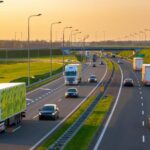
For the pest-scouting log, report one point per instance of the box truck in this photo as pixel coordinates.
(137, 63)
(12, 104)
(146, 74)
(73, 74)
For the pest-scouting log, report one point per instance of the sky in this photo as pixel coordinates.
(100, 19)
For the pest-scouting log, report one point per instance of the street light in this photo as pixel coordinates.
(29, 45)
(64, 43)
(51, 46)
(76, 34)
(71, 33)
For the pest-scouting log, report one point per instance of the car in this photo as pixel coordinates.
(72, 92)
(49, 111)
(94, 65)
(101, 63)
(128, 82)
(92, 78)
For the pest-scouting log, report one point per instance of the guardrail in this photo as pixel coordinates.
(46, 79)
(66, 137)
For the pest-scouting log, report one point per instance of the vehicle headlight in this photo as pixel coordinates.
(53, 114)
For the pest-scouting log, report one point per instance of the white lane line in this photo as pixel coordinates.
(60, 100)
(140, 92)
(35, 116)
(36, 99)
(111, 114)
(28, 104)
(143, 139)
(40, 97)
(142, 104)
(31, 100)
(141, 97)
(45, 89)
(16, 129)
(143, 123)
(142, 112)
(62, 121)
(50, 83)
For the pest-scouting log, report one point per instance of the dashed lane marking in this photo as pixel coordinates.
(142, 112)
(142, 104)
(143, 123)
(35, 116)
(143, 138)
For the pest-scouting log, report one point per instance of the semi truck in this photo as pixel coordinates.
(73, 74)
(12, 104)
(137, 63)
(146, 74)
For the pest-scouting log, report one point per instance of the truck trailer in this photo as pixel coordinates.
(137, 63)
(12, 104)
(73, 74)
(146, 74)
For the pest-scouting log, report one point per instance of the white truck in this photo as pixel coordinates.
(146, 74)
(73, 74)
(12, 104)
(137, 63)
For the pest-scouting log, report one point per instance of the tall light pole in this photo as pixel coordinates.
(64, 43)
(71, 33)
(51, 45)
(29, 18)
(76, 34)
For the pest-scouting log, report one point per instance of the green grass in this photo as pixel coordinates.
(49, 141)
(109, 63)
(147, 55)
(84, 137)
(15, 71)
(126, 54)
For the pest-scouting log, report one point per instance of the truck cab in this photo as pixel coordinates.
(72, 74)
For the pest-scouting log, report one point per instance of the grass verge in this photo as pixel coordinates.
(49, 141)
(83, 138)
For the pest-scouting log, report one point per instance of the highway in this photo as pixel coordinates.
(32, 130)
(127, 129)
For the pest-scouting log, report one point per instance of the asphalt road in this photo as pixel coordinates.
(32, 130)
(127, 129)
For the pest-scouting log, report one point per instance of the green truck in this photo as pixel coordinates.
(12, 104)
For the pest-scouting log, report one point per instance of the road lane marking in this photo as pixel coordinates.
(62, 121)
(28, 104)
(111, 114)
(60, 100)
(35, 116)
(141, 97)
(45, 89)
(143, 123)
(140, 92)
(50, 83)
(16, 129)
(142, 112)
(142, 104)
(143, 139)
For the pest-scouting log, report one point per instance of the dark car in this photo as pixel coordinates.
(72, 92)
(92, 78)
(128, 82)
(49, 111)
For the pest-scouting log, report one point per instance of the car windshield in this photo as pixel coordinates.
(93, 76)
(72, 90)
(48, 108)
(70, 73)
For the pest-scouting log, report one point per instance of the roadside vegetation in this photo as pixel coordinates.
(14, 68)
(84, 137)
(146, 54)
(126, 54)
(49, 141)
